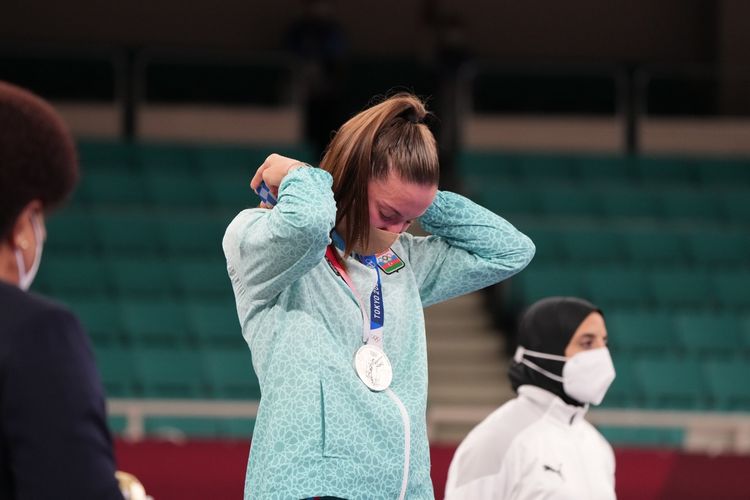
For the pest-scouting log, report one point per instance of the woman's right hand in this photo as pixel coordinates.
(272, 171)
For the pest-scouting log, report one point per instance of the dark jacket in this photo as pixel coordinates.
(54, 440)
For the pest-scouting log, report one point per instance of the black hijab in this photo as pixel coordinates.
(547, 326)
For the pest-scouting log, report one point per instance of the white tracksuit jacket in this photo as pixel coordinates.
(533, 447)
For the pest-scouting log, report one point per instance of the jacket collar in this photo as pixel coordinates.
(552, 406)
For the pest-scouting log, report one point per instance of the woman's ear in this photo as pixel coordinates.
(22, 233)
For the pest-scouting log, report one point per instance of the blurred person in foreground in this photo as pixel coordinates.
(330, 291)
(538, 445)
(54, 441)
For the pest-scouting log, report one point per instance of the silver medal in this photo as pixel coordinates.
(373, 367)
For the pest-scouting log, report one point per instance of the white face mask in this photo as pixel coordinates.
(586, 375)
(25, 278)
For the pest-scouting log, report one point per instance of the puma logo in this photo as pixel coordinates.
(557, 471)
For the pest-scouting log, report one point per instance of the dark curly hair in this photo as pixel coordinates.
(37, 155)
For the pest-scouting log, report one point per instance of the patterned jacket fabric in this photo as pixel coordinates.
(320, 431)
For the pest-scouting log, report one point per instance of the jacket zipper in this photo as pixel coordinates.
(407, 440)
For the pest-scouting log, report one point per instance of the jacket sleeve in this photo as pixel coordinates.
(267, 250)
(54, 413)
(469, 248)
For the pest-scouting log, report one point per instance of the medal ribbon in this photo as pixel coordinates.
(374, 333)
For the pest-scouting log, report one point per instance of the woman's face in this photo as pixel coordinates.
(394, 203)
(590, 334)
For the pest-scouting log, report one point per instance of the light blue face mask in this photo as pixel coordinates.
(26, 277)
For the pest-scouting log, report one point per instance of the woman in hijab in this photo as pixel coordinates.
(538, 445)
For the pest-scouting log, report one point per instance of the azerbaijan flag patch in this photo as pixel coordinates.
(389, 262)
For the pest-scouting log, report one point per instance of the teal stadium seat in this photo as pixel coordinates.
(567, 200)
(195, 234)
(666, 170)
(669, 382)
(639, 332)
(238, 428)
(643, 437)
(70, 231)
(538, 282)
(177, 189)
(728, 381)
(204, 277)
(155, 323)
(214, 323)
(705, 335)
(594, 245)
(676, 288)
(630, 202)
(116, 367)
(736, 206)
(178, 428)
(100, 317)
(654, 247)
(617, 286)
(105, 187)
(230, 374)
(720, 248)
(509, 199)
(106, 154)
(135, 233)
(146, 276)
(170, 373)
(548, 243)
(543, 168)
(166, 157)
(604, 170)
(624, 391)
(724, 172)
(70, 275)
(731, 288)
(232, 193)
(691, 204)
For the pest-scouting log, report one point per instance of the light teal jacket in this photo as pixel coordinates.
(320, 430)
